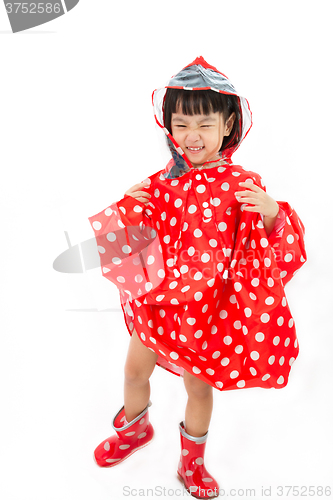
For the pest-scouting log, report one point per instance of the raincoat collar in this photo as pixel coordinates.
(198, 75)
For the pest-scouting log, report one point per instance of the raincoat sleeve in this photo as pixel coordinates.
(287, 239)
(129, 246)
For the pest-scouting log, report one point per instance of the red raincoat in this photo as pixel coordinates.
(198, 278)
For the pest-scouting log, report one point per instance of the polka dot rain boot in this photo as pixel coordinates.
(129, 438)
(191, 469)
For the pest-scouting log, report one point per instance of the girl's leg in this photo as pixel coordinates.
(139, 366)
(199, 405)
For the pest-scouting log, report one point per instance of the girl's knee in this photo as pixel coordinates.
(196, 387)
(135, 376)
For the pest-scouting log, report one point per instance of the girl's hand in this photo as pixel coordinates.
(263, 203)
(137, 193)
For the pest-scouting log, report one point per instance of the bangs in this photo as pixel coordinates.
(193, 102)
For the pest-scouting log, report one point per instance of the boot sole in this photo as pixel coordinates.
(122, 459)
(192, 494)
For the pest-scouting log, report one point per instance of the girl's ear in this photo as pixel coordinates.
(229, 124)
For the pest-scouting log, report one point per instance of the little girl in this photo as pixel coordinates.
(200, 254)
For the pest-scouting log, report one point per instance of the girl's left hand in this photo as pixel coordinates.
(260, 200)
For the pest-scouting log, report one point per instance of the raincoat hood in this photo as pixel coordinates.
(198, 75)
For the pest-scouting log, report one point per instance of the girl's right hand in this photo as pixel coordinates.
(137, 193)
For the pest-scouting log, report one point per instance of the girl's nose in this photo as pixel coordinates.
(193, 135)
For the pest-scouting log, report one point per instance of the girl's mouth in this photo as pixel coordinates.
(195, 150)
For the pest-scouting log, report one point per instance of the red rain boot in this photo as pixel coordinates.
(191, 468)
(129, 438)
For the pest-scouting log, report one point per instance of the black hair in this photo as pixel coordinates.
(193, 102)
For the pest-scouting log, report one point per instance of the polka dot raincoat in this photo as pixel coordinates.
(198, 278)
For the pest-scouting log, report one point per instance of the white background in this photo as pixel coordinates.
(77, 130)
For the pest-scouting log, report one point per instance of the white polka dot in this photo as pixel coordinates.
(256, 263)
(161, 273)
(213, 330)
(287, 342)
(197, 276)
(215, 202)
(254, 355)
(198, 334)
(239, 349)
(269, 301)
(259, 337)
(290, 238)
(111, 237)
(264, 242)
(205, 257)
(185, 288)
(126, 249)
(178, 202)
(100, 249)
(234, 374)
(265, 377)
(283, 274)
(237, 325)
(192, 209)
(174, 301)
(255, 282)
(201, 188)
(219, 384)
(166, 239)
(225, 361)
(96, 225)
(253, 371)
(247, 312)
(280, 320)
(160, 297)
(270, 282)
(173, 221)
(137, 209)
(276, 340)
(227, 340)
(223, 314)
(267, 262)
(182, 338)
(205, 307)
(191, 321)
(213, 243)
(208, 213)
(184, 269)
(271, 360)
(265, 318)
(245, 330)
(216, 354)
(241, 383)
(290, 322)
(174, 355)
(288, 257)
(252, 296)
(237, 286)
(197, 233)
(281, 360)
(121, 279)
(291, 360)
(196, 370)
(198, 296)
(116, 260)
(222, 226)
(211, 282)
(280, 380)
(108, 211)
(142, 335)
(225, 186)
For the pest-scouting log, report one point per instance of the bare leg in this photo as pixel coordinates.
(199, 405)
(139, 366)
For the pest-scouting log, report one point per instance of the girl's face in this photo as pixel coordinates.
(200, 136)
